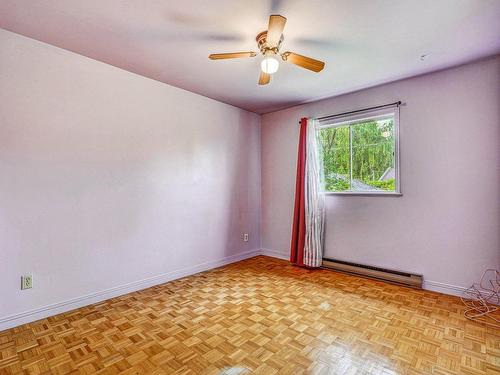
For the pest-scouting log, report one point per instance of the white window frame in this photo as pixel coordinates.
(343, 120)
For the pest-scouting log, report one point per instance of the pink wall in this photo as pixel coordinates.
(446, 224)
(111, 182)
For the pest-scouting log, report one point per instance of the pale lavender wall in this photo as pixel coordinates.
(447, 223)
(107, 177)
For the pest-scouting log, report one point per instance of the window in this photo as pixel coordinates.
(360, 152)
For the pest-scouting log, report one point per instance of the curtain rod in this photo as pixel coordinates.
(398, 103)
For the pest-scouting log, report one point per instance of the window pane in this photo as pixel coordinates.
(336, 158)
(373, 166)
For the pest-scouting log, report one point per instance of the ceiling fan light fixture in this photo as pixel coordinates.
(269, 64)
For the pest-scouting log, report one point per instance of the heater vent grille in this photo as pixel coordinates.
(398, 277)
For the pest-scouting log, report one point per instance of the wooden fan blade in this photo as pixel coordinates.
(303, 61)
(264, 78)
(275, 29)
(233, 55)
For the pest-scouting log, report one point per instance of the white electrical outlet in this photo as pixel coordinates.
(245, 237)
(26, 282)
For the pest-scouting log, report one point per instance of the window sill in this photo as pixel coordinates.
(365, 193)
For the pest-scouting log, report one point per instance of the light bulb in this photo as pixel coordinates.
(269, 65)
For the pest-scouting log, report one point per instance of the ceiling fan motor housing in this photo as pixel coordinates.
(263, 46)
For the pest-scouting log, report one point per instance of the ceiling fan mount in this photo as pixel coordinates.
(269, 44)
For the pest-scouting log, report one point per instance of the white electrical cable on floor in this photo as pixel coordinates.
(482, 299)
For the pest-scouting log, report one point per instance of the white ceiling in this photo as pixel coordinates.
(364, 42)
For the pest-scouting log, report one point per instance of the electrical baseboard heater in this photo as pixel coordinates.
(398, 277)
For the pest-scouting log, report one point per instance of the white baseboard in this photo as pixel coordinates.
(436, 286)
(275, 254)
(74, 303)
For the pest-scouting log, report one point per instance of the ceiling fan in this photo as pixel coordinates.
(269, 43)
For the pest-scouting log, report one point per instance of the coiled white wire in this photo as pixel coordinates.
(482, 299)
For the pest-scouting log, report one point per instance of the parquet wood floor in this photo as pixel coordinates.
(259, 316)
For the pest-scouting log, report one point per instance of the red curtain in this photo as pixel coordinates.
(299, 213)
